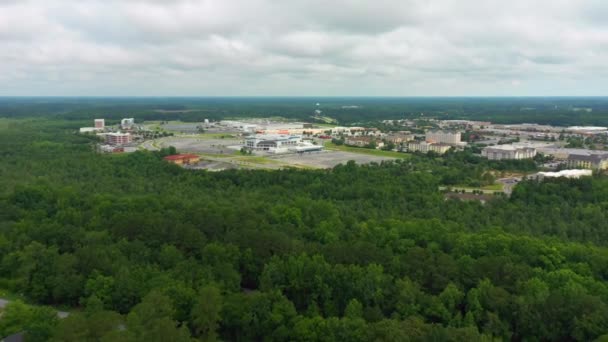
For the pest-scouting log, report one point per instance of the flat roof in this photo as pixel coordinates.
(181, 156)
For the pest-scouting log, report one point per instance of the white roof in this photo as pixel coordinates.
(567, 173)
(587, 128)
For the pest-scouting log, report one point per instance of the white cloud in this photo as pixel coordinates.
(303, 47)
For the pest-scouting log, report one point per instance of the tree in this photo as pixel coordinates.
(38, 323)
(205, 314)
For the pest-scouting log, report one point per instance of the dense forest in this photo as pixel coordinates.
(142, 250)
(560, 111)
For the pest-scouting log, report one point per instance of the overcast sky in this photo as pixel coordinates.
(304, 47)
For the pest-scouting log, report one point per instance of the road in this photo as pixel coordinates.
(509, 183)
(4, 302)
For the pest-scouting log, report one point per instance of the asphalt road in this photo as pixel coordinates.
(509, 183)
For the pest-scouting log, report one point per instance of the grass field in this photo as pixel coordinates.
(212, 136)
(360, 150)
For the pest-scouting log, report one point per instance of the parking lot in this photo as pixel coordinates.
(196, 145)
(328, 159)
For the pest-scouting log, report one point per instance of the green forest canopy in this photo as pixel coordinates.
(148, 251)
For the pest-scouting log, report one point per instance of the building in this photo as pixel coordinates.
(562, 173)
(100, 123)
(363, 141)
(444, 137)
(588, 161)
(127, 123)
(500, 152)
(272, 143)
(424, 147)
(183, 159)
(469, 124)
(118, 138)
(399, 137)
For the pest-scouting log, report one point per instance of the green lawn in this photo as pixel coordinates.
(361, 150)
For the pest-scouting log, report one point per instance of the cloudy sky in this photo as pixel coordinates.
(304, 47)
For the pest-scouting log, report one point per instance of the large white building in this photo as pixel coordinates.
(444, 137)
(562, 173)
(500, 152)
(272, 142)
(127, 123)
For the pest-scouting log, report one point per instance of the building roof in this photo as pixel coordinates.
(181, 156)
(566, 173)
(275, 137)
(595, 158)
(507, 147)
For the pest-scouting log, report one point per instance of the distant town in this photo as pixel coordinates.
(300, 144)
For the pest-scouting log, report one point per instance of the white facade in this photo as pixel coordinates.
(424, 147)
(272, 143)
(127, 123)
(452, 138)
(100, 123)
(563, 173)
(500, 152)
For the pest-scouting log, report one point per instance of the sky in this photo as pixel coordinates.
(303, 48)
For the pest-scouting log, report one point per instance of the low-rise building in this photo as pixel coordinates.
(183, 159)
(272, 143)
(117, 138)
(500, 152)
(399, 137)
(562, 173)
(424, 147)
(588, 161)
(127, 123)
(363, 141)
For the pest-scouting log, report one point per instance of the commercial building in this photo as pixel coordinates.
(100, 123)
(272, 143)
(118, 138)
(588, 161)
(560, 153)
(562, 173)
(444, 137)
(399, 137)
(183, 159)
(127, 123)
(500, 152)
(424, 147)
(363, 141)
(469, 124)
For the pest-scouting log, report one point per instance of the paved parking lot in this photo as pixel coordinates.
(196, 145)
(328, 159)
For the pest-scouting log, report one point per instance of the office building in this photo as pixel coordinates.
(424, 147)
(118, 138)
(271, 142)
(443, 137)
(588, 161)
(100, 123)
(500, 152)
(127, 123)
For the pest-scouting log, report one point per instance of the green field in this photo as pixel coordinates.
(361, 150)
